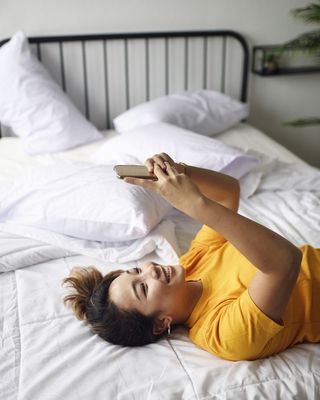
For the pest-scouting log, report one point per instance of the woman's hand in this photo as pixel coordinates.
(177, 188)
(160, 159)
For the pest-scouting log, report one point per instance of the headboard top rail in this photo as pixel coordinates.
(133, 35)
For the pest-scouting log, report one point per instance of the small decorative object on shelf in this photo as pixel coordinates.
(270, 64)
(275, 60)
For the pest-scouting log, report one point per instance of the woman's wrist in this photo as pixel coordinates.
(197, 208)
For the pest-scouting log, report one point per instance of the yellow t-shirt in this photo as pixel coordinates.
(226, 322)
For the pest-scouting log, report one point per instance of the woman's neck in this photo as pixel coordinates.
(193, 293)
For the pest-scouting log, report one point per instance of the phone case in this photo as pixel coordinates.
(135, 171)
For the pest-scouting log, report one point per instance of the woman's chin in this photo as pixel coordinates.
(179, 273)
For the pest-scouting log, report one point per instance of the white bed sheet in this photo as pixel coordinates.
(60, 358)
(46, 353)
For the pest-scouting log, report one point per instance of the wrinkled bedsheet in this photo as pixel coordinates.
(48, 354)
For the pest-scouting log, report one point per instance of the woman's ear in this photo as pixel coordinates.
(161, 324)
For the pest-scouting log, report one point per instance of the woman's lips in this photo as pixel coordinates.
(165, 273)
(168, 273)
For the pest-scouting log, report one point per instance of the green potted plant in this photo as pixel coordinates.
(309, 42)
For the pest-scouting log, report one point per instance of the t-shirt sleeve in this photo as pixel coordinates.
(240, 330)
(207, 237)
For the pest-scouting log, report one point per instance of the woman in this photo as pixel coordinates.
(243, 291)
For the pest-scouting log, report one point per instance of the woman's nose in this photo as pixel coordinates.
(152, 270)
(154, 273)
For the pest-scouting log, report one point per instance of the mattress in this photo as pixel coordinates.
(46, 353)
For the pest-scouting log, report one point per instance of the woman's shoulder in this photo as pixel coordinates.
(207, 236)
(205, 241)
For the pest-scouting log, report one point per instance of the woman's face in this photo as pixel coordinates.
(150, 288)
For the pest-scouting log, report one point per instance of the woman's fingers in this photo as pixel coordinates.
(146, 183)
(159, 159)
(149, 163)
(171, 170)
(166, 157)
(159, 172)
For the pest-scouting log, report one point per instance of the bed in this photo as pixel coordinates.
(46, 353)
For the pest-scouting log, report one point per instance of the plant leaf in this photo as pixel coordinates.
(310, 14)
(309, 41)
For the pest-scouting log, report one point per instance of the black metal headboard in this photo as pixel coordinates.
(106, 74)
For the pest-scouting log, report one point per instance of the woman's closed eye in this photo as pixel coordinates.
(143, 286)
(144, 289)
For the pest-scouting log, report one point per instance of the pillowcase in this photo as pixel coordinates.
(34, 106)
(81, 200)
(182, 145)
(203, 111)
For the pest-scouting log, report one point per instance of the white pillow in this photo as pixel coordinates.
(182, 145)
(34, 106)
(203, 111)
(82, 200)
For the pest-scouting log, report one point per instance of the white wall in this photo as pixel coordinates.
(273, 100)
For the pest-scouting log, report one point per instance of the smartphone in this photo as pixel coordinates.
(136, 171)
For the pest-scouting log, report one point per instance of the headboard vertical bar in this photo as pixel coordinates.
(186, 63)
(63, 76)
(39, 51)
(223, 72)
(85, 79)
(105, 60)
(167, 65)
(205, 61)
(245, 68)
(147, 70)
(126, 61)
